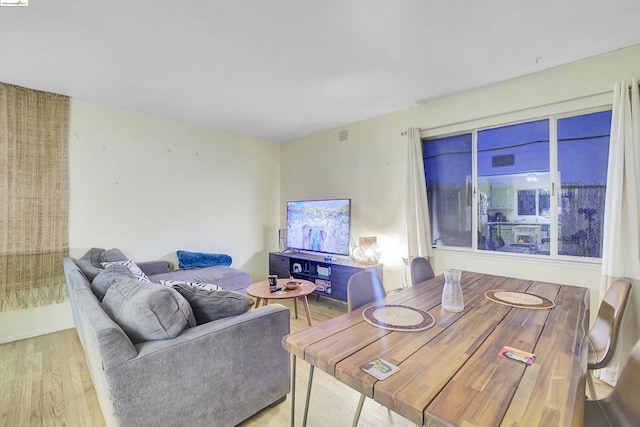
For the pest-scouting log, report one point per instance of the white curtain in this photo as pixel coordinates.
(621, 246)
(418, 227)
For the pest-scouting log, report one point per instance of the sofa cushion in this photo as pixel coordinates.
(212, 305)
(205, 286)
(90, 264)
(147, 311)
(133, 268)
(188, 259)
(112, 255)
(111, 274)
(227, 278)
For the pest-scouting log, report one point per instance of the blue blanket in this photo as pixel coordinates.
(188, 259)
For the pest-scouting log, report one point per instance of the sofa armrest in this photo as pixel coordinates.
(225, 370)
(155, 267)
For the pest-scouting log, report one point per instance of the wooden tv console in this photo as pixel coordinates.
(330, 277)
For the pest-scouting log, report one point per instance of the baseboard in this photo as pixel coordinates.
(31, 334)
(31, 322)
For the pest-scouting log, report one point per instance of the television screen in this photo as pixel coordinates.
(319, 225)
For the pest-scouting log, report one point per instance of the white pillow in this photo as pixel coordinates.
(133, 268)
(205, 286)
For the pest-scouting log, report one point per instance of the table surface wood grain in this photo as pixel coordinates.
(451, 374)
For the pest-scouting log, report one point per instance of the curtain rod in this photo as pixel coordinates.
(404, 133)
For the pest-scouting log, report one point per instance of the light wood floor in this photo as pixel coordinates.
(44, 381)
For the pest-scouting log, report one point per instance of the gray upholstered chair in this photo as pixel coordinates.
(363, 287)
(421, 270)
(621, 408)
(603, 336)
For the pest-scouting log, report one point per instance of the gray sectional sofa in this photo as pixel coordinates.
(214, 374)
(228, 278)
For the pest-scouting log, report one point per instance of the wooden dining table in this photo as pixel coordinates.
(451, 374)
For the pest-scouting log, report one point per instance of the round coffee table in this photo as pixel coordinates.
(261, 292)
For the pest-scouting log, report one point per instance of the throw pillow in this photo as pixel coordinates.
(205, 286)
(112, 255)
(111, 274)
(133, 267)
(147, 311)
(188, 259)
(213, 305)
(89, 263)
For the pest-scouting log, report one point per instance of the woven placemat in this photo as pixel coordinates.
(520, 299)
(396, 317)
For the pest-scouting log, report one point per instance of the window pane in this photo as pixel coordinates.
(513, 174)
(447, 167)
(544, 203)
(583, 151)
(526, 202)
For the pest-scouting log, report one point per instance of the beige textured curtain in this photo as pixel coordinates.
(34, 194)
(621, 241)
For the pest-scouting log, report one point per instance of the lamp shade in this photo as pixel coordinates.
(368, 251)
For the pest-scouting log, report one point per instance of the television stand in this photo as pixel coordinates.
(330, 277)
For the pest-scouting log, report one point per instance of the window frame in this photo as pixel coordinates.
(555, 189)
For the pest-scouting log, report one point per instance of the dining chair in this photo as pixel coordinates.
(621, 407)
(362, 288)
(420, 270)
(603, 336)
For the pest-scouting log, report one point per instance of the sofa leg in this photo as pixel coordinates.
(279, 401)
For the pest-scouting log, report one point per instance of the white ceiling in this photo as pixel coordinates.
(281, 69)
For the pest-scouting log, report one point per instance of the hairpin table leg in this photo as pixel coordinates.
(306, 404)
(293, 392)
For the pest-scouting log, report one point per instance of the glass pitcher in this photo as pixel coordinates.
(452, 299)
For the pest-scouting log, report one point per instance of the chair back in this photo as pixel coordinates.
(622, 406)
(603, 336)
(363, 288)
(421, 270)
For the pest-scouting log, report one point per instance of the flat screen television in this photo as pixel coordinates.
(319, 225)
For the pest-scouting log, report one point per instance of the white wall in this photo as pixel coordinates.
(151, 186)
(370, 167)
(19, 324)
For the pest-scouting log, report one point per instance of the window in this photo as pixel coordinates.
(533, 202)
(523, 204)
(512, 189)
(583, 153)
(447, 165)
